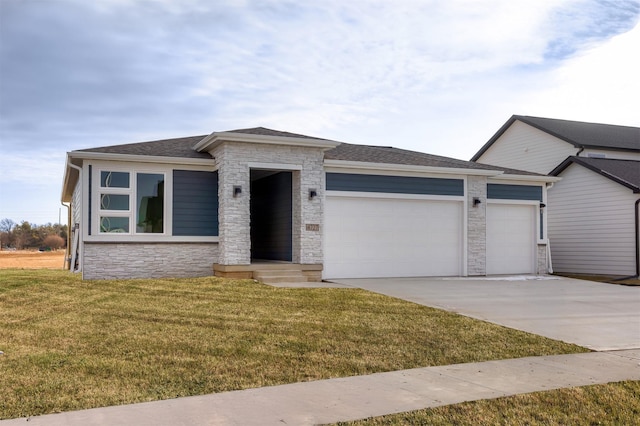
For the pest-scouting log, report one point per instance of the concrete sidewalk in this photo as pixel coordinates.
(328, 401)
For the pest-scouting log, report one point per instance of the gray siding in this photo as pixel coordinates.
(514, 192)
(394, 184)
(591, 224)
(195, 203)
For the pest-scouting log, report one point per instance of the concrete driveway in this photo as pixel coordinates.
(594, 315)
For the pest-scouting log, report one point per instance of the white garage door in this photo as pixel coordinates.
(376, 237)
(511, 241)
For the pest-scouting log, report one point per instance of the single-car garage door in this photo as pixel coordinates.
(511, 239)
(395, 237)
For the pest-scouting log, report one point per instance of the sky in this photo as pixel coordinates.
(437, 76)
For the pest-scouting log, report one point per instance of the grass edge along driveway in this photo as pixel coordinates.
(606, 404)
(71, 344)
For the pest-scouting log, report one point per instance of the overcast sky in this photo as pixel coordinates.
(436, 76)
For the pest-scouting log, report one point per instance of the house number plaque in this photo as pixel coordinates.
(313, 227)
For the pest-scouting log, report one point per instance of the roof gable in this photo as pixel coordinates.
(579, 134)
(263, 131)
(624, 172)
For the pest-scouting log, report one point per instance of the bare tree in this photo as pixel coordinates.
(6, 225)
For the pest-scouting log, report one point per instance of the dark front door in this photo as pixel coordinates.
(271, 215)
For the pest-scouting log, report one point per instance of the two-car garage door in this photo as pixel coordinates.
(392, 237)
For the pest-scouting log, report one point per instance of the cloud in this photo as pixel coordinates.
(600, 84)
(428, 75)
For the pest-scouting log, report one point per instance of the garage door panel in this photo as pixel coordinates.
(511, 239)
(377, 237)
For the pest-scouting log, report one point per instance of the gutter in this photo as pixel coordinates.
(66, 257)
(72, 256)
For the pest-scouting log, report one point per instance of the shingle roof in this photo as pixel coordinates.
(178, 147)
(263, 131)
(624, 172)
(577, 133)
(390, 155)
(183, 148)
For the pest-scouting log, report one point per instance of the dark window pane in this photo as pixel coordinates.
(114, 224)
(150, 203)
(114, 179)
(114, 202)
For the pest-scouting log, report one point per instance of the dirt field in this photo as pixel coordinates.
(32, 259)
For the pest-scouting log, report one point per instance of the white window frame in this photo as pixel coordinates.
(132, 192)
(133, 169)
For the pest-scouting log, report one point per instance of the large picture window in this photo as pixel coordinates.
(131, 202)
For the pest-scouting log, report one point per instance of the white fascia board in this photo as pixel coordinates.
(275, 166)
(214, 139)
(142, 158)
(358, 165)
(65, 194)
(527, 178)
(65, 181)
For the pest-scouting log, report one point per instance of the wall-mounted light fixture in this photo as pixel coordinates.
(542, 205)
(237, 190)
(476, 201)
(313, 194)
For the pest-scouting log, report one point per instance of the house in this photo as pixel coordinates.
(593, 210)
(265, 204)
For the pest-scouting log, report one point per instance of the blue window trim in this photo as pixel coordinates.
(498, 191)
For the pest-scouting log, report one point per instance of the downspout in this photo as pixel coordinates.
(637, 216)
(546, 216)
(67, 256)
(72, 255)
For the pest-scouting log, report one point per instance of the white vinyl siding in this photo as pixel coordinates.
(524, 147)
(76, 204)
(618, 155)
(591, 224)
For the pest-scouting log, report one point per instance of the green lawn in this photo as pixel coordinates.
(70, 344)
(612, 404)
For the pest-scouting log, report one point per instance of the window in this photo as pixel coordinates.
(130, 202)
(150, 203)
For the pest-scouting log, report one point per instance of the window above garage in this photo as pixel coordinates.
(394, 184)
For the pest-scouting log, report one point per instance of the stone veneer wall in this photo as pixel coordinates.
(477, 226)
(543, 266)
(233, 160)
(148, 260)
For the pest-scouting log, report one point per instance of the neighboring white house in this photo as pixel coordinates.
(593, 210)
(280, 206)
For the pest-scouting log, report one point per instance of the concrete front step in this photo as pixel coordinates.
(279, 276)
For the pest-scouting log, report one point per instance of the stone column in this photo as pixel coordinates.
(476, 226)
(234, 210)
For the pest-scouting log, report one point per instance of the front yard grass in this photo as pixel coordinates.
(70, 344)
(609, 404)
